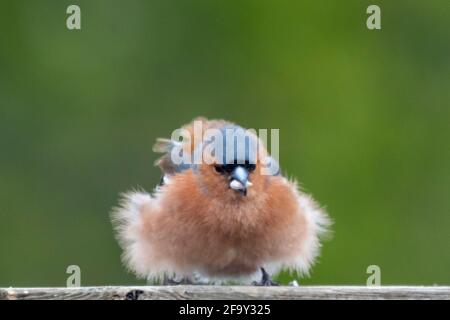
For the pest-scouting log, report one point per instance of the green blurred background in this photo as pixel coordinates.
(363, 118)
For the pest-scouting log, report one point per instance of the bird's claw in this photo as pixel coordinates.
(267, 283)
(265, 280)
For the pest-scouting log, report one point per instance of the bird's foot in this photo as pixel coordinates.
(265, 280)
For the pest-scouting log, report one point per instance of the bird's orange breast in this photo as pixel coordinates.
(227, 234)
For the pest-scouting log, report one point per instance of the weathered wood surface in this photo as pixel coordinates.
(228, 292)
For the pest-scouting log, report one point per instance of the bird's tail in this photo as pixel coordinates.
(128, 222)
(318, 225)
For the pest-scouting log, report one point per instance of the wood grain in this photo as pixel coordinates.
(186, 292)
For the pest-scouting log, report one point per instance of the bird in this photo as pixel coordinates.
(216, 222)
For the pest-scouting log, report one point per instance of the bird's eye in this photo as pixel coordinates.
(229, 167)
(250, 166)
(219, 168)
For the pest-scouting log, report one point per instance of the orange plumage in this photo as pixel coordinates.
(195, 225)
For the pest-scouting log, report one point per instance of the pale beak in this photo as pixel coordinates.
(239, 180)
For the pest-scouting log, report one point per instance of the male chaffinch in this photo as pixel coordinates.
(218, 221)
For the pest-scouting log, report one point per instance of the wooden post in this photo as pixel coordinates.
(185, 292)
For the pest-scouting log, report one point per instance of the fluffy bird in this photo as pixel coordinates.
(218, 221)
